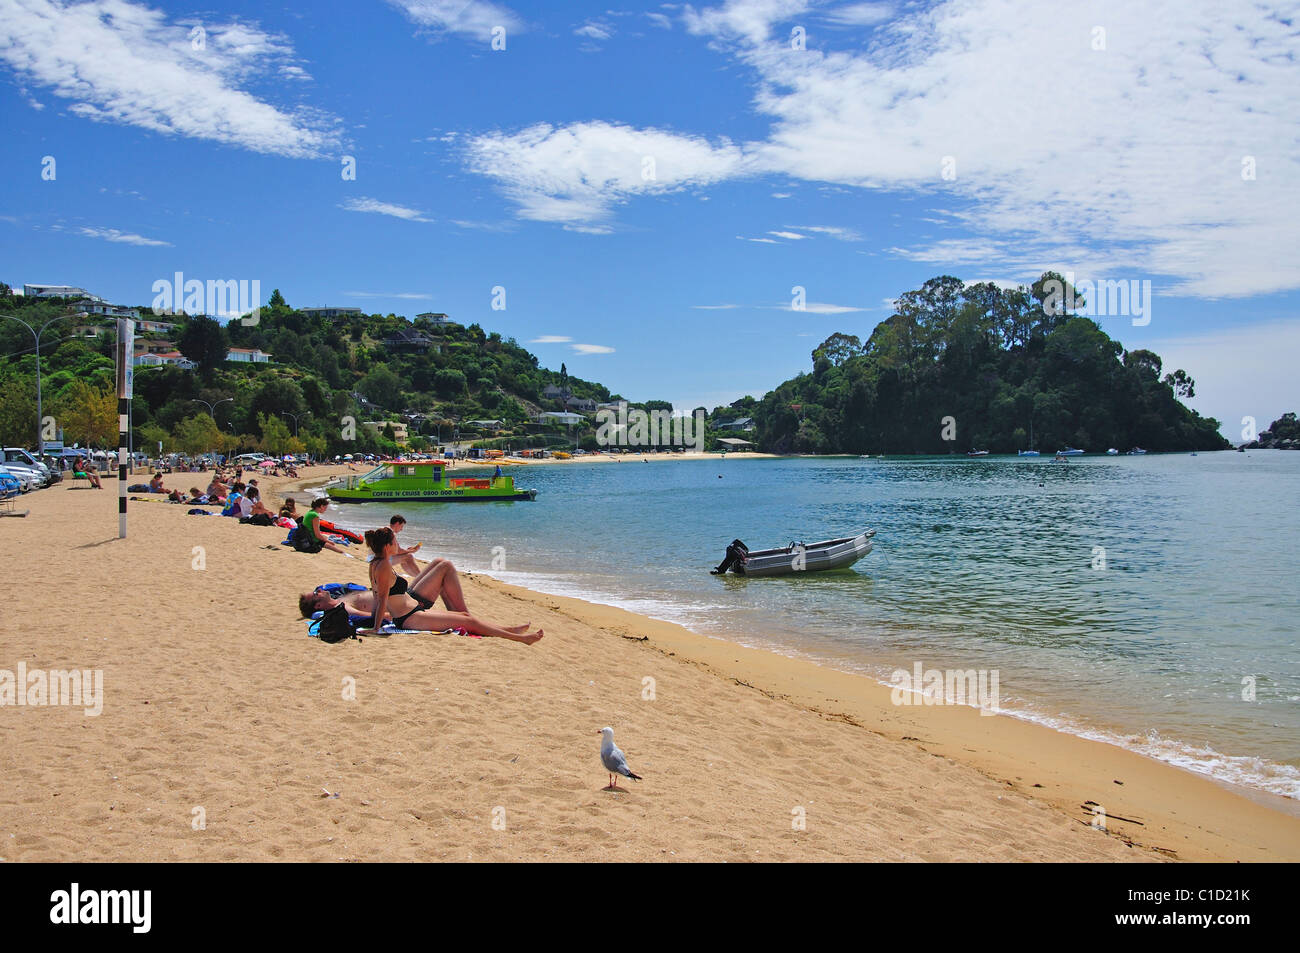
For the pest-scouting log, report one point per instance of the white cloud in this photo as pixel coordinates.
(750, 21)
(815, 307)
(843, 234)
(126, 238)
(592, 349)
(793, 236)
(714, 307)
(469, 18)
(122, 62)
(576, 174)
(859, 14)
(384, 208)
(660, 20)
(594, 30)
(761, 241)
(1125, 158)
(551, 339)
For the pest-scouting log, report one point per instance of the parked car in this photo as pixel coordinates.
(18, 457)
(25, 479)
(10, 485)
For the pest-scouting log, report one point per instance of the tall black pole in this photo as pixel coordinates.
(125, 347)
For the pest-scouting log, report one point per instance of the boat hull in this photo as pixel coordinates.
(427, 496)
(813, 557)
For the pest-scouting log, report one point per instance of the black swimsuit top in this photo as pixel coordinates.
(399, 587)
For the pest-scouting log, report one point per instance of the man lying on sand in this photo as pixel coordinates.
(393, 598)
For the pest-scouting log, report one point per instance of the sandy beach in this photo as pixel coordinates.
(227, 734)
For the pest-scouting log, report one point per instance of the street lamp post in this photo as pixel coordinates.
(36, 335)
(212, 411)
(301, 413)
(212, 407)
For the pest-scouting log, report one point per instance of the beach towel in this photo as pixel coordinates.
(334, 588)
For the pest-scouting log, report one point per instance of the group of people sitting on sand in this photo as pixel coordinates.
(410, 605)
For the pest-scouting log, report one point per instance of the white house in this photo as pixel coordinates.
(436, 317)
(248, 355)
(400, 432)
(155, 359)
(149, 326)
(96, 306)
(555, 417)
(59, 291)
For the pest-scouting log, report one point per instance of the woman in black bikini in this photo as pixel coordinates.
(411, 611)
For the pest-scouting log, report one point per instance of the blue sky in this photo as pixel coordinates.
(650, 182)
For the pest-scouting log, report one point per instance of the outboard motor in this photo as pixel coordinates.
(735, 558)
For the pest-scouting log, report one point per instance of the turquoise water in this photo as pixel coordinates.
(978, 564)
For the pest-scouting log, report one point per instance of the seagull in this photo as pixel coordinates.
(614, 759)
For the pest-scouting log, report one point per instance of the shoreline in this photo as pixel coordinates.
(1066, 766)
(1070, 725)
(211, 694)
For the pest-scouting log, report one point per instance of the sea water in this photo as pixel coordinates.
(1147, 601)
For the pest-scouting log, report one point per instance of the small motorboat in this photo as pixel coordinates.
(1069, 452)
(1112, 452)
(797, 557)
(977, 453)
(1027, 453)
(1136, 452)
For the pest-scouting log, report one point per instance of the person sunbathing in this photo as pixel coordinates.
(156, 484)
(217, 490)
(438, 580)
(393, 600)
(362, 601)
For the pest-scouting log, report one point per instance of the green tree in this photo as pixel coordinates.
(383, 387)
(1182, 384)
(276, 439)
(204, 342)
(198, 433)
(17, 410)
(87, 414)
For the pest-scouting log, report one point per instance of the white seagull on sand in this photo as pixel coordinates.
(613, 759)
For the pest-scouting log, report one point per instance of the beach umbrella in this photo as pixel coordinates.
(346, 456)
(267, 463)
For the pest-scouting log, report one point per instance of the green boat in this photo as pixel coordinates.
(416, 481)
